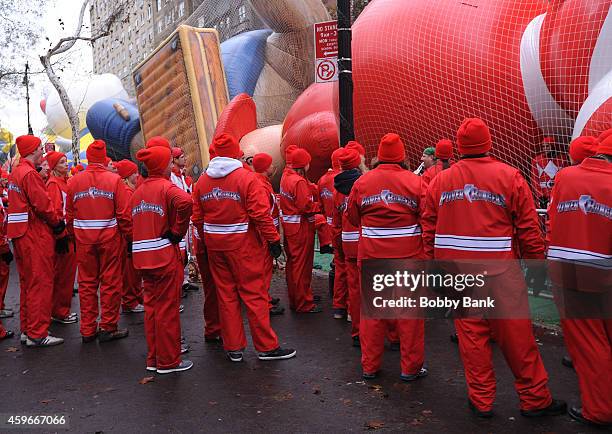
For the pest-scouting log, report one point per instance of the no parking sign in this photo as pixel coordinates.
(326, 51)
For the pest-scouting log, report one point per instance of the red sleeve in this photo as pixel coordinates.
(181, 207)
(429, 218)
(305, 196)
(55, 195)
(258, 209)
(353, 211)
(36, 193)
(70, 210)
(198, 216)
(122, 210)
(526, 222)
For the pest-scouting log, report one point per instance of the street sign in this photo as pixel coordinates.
(326, 51)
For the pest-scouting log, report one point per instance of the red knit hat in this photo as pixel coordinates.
(53, 158)
(226, 146)
(356, 146)
(261, 162)
(334, 158)
(288, 153)
(156, 158)
(300, 158)
(157, 141)
(391, 149)
(96, 152)
(603, 136)
(125, 168)
(176, 152)
(444, 149)
(349, 159)
(583, 147)
(605, 146)
(473, 137)
(27, 144)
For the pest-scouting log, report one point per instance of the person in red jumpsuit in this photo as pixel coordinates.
(64, 261)
(544, 168)
(580, 264)
(298, 208)
(131, 294)
(32, 223)
(482, 209)
(265, 170)
(347, 234)
(6, 257)
(160, 212)
(389, 222)
(443, 154)
(326, 193)
(232, 214)
(97, 215)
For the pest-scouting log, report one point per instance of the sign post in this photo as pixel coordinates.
(326, 51)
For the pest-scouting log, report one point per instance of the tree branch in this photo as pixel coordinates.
(69, 42)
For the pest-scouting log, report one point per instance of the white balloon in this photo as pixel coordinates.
(83, 94)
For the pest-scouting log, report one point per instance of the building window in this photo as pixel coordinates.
(149, 12)
(227, 22)
(242, 13)
(159, 5)
(160, 26)
(150, 35)
(181, 10)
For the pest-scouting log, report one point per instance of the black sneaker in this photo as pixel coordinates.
(394, 346)
(9, 334)
(88, 339)
(423, 372)
(567, 362)
(278, 354)
(275, 301)
(315, 309)
(483, 414)
(213, 339)
(104, 336)
(183, 366)
(369, 375)
(326, 250)
(556, 408)
(277, 310)
(576, 414)
(235, 356)
(356, 342)
(6, 313)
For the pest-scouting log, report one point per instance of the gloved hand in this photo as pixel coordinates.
(7, 257)
(536, 276)
(275, 249)
(129, 249)
(172, 237)
(61, 246)
(59, 228)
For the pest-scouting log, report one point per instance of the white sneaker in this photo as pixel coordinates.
(139, 308)
(70, 319)
(151, 368)
(183, 366)
(48, 341)
(348, 318)
(23, 338)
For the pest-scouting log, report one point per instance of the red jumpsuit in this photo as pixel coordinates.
(98, 216)
(349, 242)
(232, 213)
(431, 172)
(159, 206)
(487, 205)
(582, 201)
(212, 322)
(4, 247)
(323, 222)
(543, 171)
(298, 208)
(341, 292)
(131, 291)
(390, 228)
(30, 218)
(64, 264)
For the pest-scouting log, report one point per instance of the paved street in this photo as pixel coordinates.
(320, 390)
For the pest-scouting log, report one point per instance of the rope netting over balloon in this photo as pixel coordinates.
(529, 68)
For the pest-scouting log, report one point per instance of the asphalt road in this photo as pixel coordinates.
(99, 386)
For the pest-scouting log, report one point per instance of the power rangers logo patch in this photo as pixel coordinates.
(147, 207)
(471, 193)
(343, 205)
(94, 193)
(587, 205)
(220, 194)
(286, 194)
(326, 194)
(13, 187)
(388, 197)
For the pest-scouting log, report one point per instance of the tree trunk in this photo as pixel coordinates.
(73, 116)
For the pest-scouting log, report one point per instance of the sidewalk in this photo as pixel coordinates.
(98, 386)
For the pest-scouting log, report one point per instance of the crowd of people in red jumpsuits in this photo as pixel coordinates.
(126, 233)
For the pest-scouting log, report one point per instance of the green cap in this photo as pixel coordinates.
(430, 151)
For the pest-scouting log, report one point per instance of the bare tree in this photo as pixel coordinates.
(117, 14)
